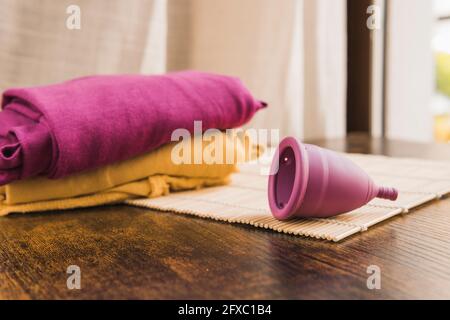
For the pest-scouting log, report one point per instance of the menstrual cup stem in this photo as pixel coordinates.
(387, 193)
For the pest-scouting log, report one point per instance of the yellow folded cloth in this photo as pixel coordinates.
(150, 175)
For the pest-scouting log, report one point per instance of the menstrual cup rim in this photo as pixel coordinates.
(300, 180)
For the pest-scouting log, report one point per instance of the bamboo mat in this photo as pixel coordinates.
(245, 199)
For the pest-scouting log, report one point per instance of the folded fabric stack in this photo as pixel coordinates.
(105, 139)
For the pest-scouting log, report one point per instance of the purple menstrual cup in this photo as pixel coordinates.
(316, 182)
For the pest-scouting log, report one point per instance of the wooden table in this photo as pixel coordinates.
(126, 252)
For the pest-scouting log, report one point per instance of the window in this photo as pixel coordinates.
(441, 49)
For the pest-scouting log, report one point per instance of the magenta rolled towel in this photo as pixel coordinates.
(61, 129)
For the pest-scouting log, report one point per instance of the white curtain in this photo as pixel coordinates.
(290, 53)
(410, 75)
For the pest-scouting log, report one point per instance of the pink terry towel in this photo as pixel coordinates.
(81, 124)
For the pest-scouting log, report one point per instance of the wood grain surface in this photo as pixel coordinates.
(132, 253)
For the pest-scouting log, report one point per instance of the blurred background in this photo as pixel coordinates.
(441, 48)
(327, 68)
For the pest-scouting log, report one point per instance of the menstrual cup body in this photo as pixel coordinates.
(335, 185)
(316, 182)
